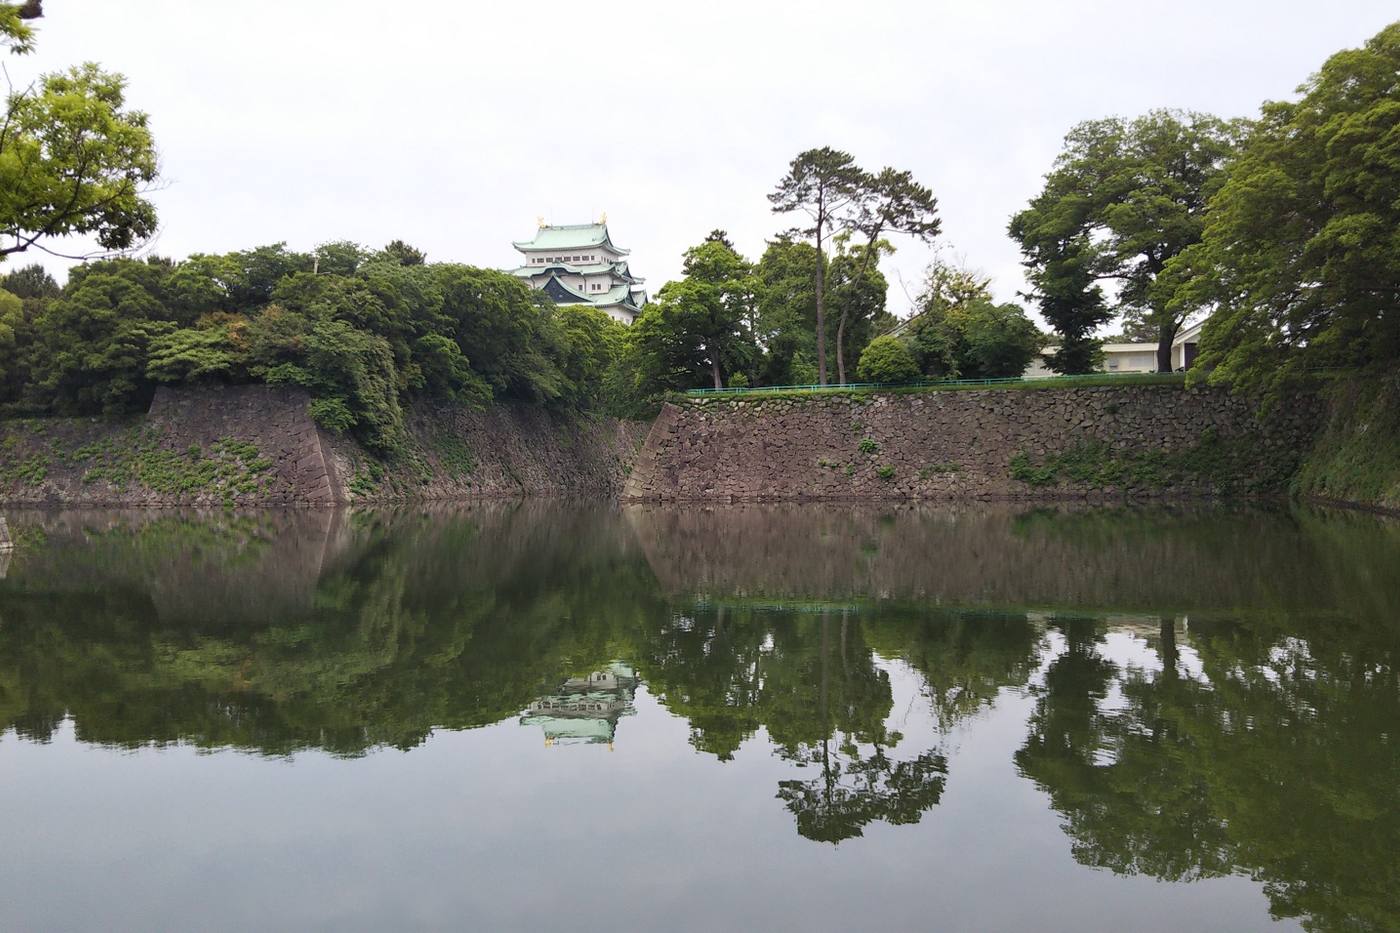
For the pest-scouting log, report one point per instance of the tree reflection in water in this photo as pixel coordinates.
(1278, 759)
(1260, 739)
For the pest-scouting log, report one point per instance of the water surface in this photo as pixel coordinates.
(528, 715)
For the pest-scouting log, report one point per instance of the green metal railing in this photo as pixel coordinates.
(1092, 378)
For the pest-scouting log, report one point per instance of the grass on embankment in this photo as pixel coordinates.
(1356, 458)
(1016, 385)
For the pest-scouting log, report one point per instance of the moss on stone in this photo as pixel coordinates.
(454, 454)
(1242, 466)
(1356, 457)
(231, 467)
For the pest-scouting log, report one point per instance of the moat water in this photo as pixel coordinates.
(532, 716)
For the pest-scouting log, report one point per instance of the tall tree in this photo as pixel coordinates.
(887, 203)
(1300, 250)
(857, 290)
(823, 184)
(1124, 198)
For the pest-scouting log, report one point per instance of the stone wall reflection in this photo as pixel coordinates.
(994, 554)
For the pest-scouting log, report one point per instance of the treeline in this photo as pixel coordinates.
(364, 332)
(730, 321)
(1282, 229)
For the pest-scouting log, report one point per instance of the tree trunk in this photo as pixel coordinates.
(714, 370)
(870, 252)
(1165, 335)
(1167, 637)
(821, 309)
(841, 348)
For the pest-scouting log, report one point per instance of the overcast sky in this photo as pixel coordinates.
(454, 125)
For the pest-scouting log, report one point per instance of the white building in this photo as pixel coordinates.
(578, 264)
(1134, 357)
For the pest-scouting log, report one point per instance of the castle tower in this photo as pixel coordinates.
(578, 264)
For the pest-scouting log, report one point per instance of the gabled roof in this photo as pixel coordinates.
(623, 295)
(621, 269)
(562, 293)
(1190, 334)
(617, 269)
(569, 236)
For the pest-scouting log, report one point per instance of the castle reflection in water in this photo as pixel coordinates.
(585, 710)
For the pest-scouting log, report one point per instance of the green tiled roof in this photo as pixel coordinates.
(569, 236)
(597, 268)
(618, 269)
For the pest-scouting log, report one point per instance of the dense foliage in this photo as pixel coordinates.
(841, 199)
(1282, 231)
(380, 329)
(887, 359)
(1124, 199)
(730, 321)
(959, 332)
(1301, 252)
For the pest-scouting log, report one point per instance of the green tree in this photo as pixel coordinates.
(400, 252)
(857, 291)
(200, 285)
(508, 331)
(338, 257)
(11, 322)
(74, 160)
(889, 202)
(194, 355)
(932, 339)
(933, 344)
(91, 345)
(1073, 305)
(30, 281)
(15, 33)
(993, 341)
(960, 331)
(591, 343)
(786, 312)
(689, 334)
(716, 262)
(1299, 251)
(257, 271)
(887, 359)
(823, 184)
(1125, 198)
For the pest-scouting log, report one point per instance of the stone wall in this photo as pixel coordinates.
(257, 446)
(502, 450)
(230, 445)
(1145, 440)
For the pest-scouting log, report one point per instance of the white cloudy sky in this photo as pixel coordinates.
(453, 125)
